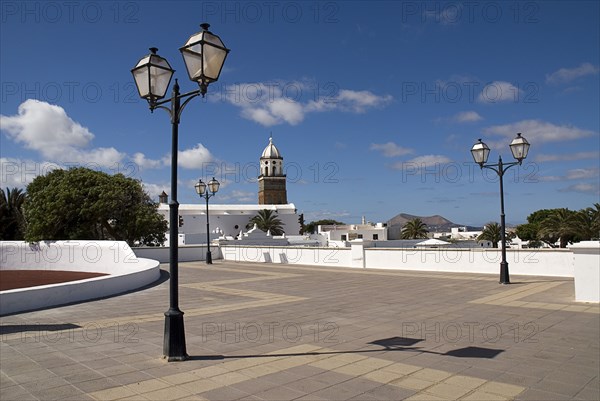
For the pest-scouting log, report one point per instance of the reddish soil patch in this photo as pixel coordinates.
(11, 279)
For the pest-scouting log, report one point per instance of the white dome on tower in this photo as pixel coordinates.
(271, 151)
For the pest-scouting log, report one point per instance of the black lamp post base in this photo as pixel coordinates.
(208, 257)
(174, 339)
(504, 279)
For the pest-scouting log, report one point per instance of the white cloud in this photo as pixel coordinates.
(193, 158)
(565, 75)
(153, 190)
(18, 173)
(390, 149)
(359, 101)
(574, 174)
(276, 103)
(261, 116)
(586, 188)
(582, 173)
(144, 163)
(314, 215)
(499, 91)
(536, 132)
(421, 162)
(567, 157)
(48, 130)
(467, 117)
(240, 196)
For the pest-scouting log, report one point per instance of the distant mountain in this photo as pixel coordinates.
(434, 223)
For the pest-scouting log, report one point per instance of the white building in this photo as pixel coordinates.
(231, 220)
(459, 234)
(340, 234)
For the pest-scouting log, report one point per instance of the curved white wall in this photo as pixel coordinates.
(186, 253)
(126, 271)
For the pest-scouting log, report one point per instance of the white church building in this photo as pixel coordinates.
(230, 221)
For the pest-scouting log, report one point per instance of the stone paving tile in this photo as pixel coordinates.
(361, 306)
(483, 396)
(342, 391)
(280, 393)
(502, 389)
(389, 393)
(225, 393)
(59, 393)
(16, 393)
(566, 389)
(588, 394)
(199, 386)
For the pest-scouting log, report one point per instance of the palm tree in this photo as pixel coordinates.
(12, 222)
(589, 222)
(266, 220)
(562, 223)
(595, 212)
(414, 229)
(491, 232)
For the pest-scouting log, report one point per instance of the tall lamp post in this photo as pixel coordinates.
(213, 187)
(480, 151)
(204, 55)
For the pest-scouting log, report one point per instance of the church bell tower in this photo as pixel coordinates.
(271, 180)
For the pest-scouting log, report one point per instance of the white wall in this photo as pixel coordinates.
(473, 260)
(288, 254)
(521, 262)
(187, 253)
(587, 271)
(111, 257)
(126, 271)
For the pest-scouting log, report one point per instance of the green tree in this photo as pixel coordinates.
(80, 203)
(491, 232)
(562, 223)
(528, 231)
(266, 220)
(414, 229)
(595, 212)
(301, 222)
(531, 230)
(12, 222)
(589, 223)
(312, 226)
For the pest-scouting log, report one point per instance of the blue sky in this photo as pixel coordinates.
(374, 105)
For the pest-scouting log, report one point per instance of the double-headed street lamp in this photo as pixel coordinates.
(213, 187)
(204, 55)
(519, 148)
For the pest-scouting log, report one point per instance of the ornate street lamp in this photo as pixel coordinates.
(519, 147)
(213, 187)
(204, 55)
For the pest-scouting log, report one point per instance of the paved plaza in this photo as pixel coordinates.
(283, 332)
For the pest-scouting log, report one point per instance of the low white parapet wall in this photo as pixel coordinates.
(186, 253)
(555, 262)
(531, 262)
(288, 255)
(587, 271)
(125, 271)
